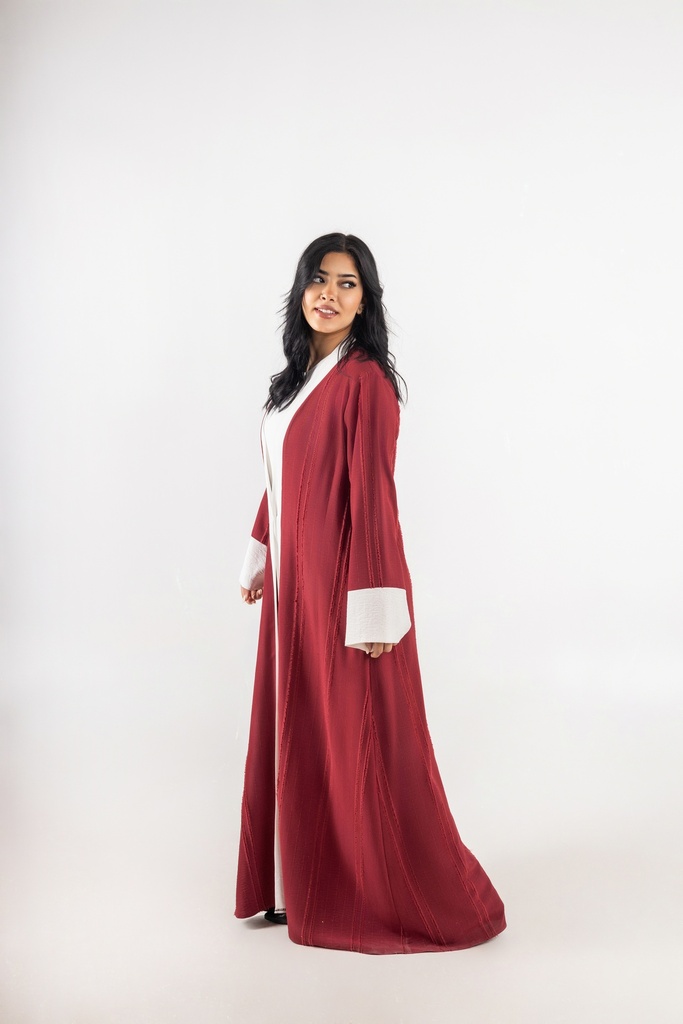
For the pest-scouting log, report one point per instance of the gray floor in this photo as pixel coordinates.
(120, 820)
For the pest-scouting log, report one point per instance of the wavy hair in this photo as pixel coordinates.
(368, 333)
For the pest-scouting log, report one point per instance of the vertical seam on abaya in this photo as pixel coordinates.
(250, 855)
(297, 629)
(316, 858)
(295, 657)
(412, 885)
(369, 498)
(364, 477)
(446, 826)
(337, 606)
(362, 763)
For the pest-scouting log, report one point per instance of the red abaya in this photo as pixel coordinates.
(371, 858)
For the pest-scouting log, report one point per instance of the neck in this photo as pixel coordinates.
(321, 345)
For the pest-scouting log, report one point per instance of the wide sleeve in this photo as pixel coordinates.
(253, 568)
(377, 606)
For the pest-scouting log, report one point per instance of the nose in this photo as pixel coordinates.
(327, 291)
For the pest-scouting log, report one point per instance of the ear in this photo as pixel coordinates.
(359, 310)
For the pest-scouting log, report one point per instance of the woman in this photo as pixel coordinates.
(346, 834)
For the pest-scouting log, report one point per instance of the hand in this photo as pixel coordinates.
(251, 596)
(377, 649)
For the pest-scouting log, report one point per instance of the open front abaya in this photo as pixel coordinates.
(344, 814)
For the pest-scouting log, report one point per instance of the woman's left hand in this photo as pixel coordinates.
(377, 649)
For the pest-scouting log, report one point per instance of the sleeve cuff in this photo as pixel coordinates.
(376, 615)
(253, 569)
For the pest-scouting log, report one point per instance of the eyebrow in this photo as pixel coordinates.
(338, 275)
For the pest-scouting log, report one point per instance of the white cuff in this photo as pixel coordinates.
(253, 569)
(376, 615)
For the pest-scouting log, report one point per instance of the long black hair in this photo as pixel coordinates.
(368, 334)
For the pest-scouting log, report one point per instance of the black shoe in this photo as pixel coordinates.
(275, 918)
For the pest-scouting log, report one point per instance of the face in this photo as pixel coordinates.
(334, 297)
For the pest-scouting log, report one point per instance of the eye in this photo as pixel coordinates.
(348, 284)
(317, 279)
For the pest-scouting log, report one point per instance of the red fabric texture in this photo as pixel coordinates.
(371, 857)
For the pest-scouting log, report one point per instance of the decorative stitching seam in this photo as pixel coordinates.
(446, 826)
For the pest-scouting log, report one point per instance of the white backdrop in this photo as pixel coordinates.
(515, 167)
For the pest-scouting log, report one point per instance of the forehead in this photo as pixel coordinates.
(338, 263)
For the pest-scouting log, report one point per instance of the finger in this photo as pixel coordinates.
(380, 648)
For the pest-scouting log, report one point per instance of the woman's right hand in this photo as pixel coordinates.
(251, 596)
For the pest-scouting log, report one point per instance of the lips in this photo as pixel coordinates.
(325, 312)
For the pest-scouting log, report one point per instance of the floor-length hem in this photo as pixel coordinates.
(403, 945)
(405, 950)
